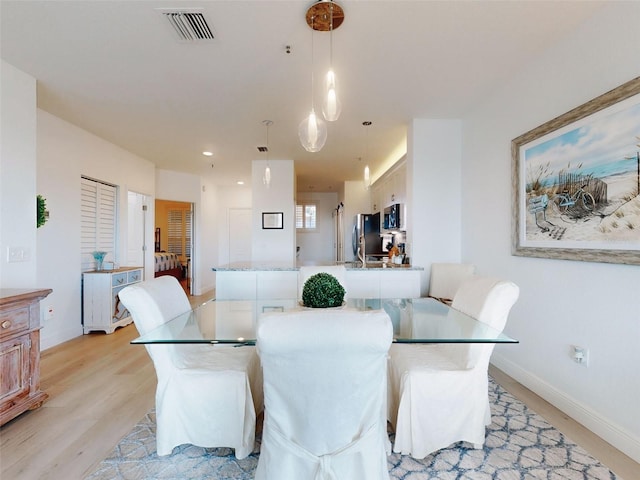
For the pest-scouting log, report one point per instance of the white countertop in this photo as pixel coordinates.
(286, 266)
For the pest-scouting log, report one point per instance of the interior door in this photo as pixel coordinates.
(240, 234)
(136, 224)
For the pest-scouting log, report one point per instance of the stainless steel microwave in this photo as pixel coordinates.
(393, 217)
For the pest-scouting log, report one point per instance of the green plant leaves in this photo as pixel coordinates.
(322, 290)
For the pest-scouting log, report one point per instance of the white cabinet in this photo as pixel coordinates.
(252, 284)
(383, 283)
(390, 188)
(235, 285)
(101, 307)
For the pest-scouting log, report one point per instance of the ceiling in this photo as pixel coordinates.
(117, 69)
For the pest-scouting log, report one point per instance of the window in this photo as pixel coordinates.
(306, 217)
(179, 232)
(98, 221)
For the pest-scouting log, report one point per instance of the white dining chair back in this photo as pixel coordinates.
(325, 381)
(206, 395)
(306, 271)
(439, 393)
(446, 278)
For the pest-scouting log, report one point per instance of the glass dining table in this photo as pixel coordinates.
(414, 320)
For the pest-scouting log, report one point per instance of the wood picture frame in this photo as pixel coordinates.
(576, 182)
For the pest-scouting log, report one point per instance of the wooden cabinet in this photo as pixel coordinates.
(101, 307)
(20, 351)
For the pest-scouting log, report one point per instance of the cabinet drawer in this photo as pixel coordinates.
(134, 276)
(14, 321)
(118, 279)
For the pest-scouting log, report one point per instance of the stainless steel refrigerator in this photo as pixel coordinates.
(369, 225)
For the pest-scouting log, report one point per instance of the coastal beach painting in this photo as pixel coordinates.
(576, 182)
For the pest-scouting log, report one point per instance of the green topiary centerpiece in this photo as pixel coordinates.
(322, 290)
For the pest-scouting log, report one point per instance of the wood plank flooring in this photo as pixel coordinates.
(100, 385)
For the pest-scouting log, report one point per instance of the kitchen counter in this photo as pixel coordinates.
(279, 280)
(290, 267)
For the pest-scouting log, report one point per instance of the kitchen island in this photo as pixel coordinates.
(266, 281)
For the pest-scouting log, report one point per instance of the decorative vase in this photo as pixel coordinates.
(99, 258)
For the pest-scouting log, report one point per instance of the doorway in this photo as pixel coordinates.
(173, 242)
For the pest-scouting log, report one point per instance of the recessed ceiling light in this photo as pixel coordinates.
(207, 154)
(240, 182)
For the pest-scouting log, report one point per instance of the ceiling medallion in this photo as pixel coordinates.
(320, 14)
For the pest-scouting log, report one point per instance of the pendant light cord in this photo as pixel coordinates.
(312, 62)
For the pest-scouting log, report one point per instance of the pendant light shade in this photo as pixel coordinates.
(266, 176)
(312, 132)
(331, 107)
(367, 172)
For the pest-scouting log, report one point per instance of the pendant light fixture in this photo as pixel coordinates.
(331, 106)
(367, 172)
(312, 131)
(266, 177)
(325, 16)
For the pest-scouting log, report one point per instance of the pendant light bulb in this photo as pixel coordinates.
(331, 107)
(312, 133)
(367, 177)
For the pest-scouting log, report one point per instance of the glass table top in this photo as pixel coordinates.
(417, 320)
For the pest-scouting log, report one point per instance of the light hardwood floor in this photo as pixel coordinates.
(100, 385)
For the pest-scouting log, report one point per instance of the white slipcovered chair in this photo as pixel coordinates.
(325, 385)
(206, 395)
(439, 393)
(306, 271)
(446, 278)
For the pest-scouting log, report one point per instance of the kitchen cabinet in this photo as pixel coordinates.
(101, 307)
(20, 351)
(390, 188)
(252, 284)
(383, 283)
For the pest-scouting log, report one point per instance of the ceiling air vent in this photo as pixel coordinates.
(189, 25)
(263, 149)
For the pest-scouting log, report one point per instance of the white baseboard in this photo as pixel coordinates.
(610, 432)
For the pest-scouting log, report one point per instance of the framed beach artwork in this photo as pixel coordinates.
(576, 182)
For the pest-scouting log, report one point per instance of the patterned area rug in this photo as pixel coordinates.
(520, 445)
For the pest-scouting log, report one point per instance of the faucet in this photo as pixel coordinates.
(361, 252)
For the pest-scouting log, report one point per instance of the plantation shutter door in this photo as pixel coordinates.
(299, 217)
(187, 232)
(98, 212)
(175, 231)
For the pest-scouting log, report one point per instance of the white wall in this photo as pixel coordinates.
(18, 177)
(273, 245)
(65, 152)
(319, 245)
(595, 305)
(433, 193)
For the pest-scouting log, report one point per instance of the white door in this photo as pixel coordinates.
(136, 224)
(240, 234)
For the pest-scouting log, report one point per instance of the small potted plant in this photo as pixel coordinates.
(322, 290)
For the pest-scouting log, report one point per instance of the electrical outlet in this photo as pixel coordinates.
(15, 254)
(580, 355)
(48, 313)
